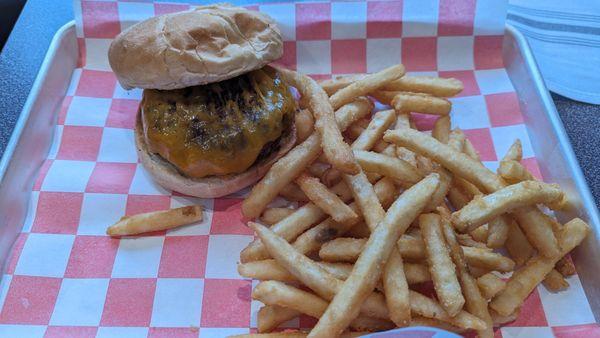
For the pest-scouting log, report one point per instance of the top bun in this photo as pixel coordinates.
(196, 47)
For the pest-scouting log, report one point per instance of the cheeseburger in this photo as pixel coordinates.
(213, 116)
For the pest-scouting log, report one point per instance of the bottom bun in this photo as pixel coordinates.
(165, 174)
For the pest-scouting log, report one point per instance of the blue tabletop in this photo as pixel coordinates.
(25, 49)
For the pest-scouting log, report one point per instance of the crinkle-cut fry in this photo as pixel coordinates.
(566, 267)
(424, 306)
(488, 259)
(441, 267)
(484, 209)
(475, 303)
(305, 124)
(538, 228)
(430, 322)
(335, 149)
(406, 102)
(514, 172)
(329, 202)
(312, 239)
(296, 160)
(458, 163)
(523, 281)
(293, 193)
(330, 86)
(480, 234)
(155, 221)
(441, 129)
(387, 166)
(308, 272)
(380, 122)
(498, 231)
(366, 85)
(436, 86)
(490, 285)
(361, 282)
(269, 317)
(515, 152)
(273, 215)
(555, 281)
(517, 245)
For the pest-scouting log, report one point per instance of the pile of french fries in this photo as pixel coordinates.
(389, 208)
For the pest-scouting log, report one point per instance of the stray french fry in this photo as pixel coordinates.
(366, 85)
(514, 172)
(490, 285)
(155, 221)
(517, 245)
(274, 215)
(515, 152)
(441, 129)
(498, 231)
(429, 308)
(269, 317)
(325, 199)
(488, 259)
(293, 193)
(406, 102)
(345, 305)
(486, 208)
(475, 303)
(566, 267)
(555, 282)
(335, 149)
(380, 122)
(436, 86)
(521, 283)
(304, 125)
(443, 272)
(387, 166)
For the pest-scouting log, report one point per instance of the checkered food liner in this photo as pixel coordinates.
(67, 278)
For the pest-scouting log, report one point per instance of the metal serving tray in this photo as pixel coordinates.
(33, 135)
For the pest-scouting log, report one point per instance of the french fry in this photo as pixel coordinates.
(501, 320)
(313, 238)
(387, 166)
(330, 86)
(470, 150)
(436, 86)
(477, 271)
(480, 234)
(566, 267)
(296, 160)
(383, 96)
(538, 229)
(342, 190)
(457, 198)
(521, 283)
(294, 334)
(335, 149)
(429, 308)
(490, 285)
(486, 208)
(273, 215)
(441, 129)
(458, 163)
(555, 282)
(411, 248)
(406, 102)
(488, 259)
(365, 198)
(342, 249)
(517, 245)
(441, 267)
(318, 168)
(515, 152)
(475, 303)
(293, 193)
(467, 240)
(365, 85)
(514, 172)
(498, 231)
(430, 322)
(304, 125)
(380, 122)
(345, 305)
(325, 199)
(269, 317)
(357, 128)
(368, 324)
(395, 284)
(155, 221)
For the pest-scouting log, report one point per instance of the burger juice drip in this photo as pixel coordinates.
(220, 128)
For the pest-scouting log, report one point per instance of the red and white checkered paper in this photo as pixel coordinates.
(66, 278)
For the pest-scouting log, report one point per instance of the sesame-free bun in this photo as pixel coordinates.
(196, 47)
(165, 174)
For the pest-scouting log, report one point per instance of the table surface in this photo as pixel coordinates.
(27, 45)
